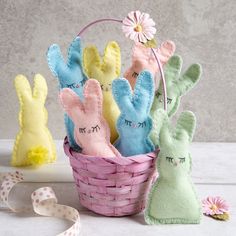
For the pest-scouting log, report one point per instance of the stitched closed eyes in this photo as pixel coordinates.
(135, 124)
(92, 130)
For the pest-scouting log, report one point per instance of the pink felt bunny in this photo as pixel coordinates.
(143, 59)
(92, 132)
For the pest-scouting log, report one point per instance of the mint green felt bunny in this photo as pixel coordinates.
(176, 86)
(172, 199)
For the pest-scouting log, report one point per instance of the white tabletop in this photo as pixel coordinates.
(213, 172)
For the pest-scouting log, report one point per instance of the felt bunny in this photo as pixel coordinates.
(91, 130)
(143, 59)
(105, 72)
(70, 75)
(172, 199)
(176, 87)
(134, 123)
(34, 144)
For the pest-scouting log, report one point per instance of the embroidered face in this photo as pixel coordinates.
(174, 159)
(70, 75)
(75, 85)
(88, 128)
(143, 59)
(176, 85)
(135, 127)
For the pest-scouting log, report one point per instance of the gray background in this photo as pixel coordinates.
(204, 32)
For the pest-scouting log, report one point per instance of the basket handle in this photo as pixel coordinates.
(153, 51)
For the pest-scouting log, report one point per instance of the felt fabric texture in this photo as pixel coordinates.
(91, 130)
(177, 85)
(105, 70)
(172, 199)
(143, 59)
(134, 123)
(34, 144)
(70, 75)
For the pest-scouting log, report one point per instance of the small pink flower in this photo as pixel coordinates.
(214, 206)
(139, 27)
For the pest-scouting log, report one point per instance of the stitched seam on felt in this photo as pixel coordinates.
(50, 64)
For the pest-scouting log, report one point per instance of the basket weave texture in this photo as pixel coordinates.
(112, 186)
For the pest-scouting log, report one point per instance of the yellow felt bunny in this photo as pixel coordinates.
(105, 72)
(34, 145)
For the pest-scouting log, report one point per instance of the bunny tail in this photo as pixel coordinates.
(37, 156)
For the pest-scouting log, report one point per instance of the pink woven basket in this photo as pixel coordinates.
(112, 187)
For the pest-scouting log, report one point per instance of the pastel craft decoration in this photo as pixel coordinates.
(70, 75)
(172, 199)
(105, 71)
(176, 85)
(134, 123)
(143, 59)
(44, 203)
(91, 130)
(34, 145)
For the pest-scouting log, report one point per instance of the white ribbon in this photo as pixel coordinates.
(44, 203)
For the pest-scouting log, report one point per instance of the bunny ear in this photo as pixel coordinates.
(75, 53)
(186, 125)
(173, 68)
(175, 107)
(165, 134)
(190, 78)
(70, 102)
(93, 96)
(55, 59)
(40, 90)
(23, 88)
(122, 94)
(166, 50)
(140, 52)
(112, 56)
(91, 59)
(159, 118)
(144, 91)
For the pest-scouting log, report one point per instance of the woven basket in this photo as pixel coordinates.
(112, 187)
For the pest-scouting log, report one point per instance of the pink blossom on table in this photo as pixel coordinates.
(139, 27)
(214, 206)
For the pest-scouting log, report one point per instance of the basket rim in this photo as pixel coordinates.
(116, 160)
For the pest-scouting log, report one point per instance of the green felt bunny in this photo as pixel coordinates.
(176, 86)
(172, 199)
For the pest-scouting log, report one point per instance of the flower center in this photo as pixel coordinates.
(214, 207)
(138, 28)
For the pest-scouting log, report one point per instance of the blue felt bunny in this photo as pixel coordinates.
(134, 123)
(70, 75)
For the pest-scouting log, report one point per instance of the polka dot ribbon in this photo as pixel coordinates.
(44, 203)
